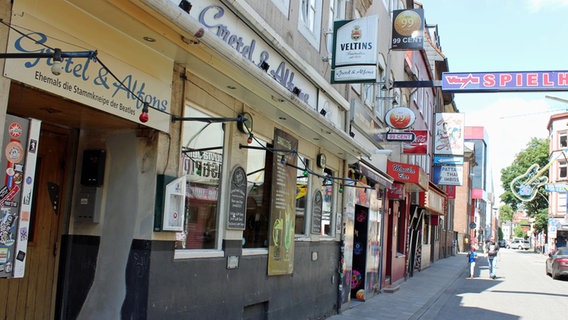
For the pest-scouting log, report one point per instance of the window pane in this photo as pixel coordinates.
(563, 141)
(327, 204)
(301, 196)
(202, 162)
(258, 199)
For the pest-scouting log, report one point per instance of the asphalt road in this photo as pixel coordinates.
(522, 290)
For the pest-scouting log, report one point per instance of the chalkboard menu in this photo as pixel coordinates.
(317, 212)
(237, 199)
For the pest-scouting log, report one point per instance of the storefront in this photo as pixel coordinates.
(365, 201)
(405, 223)
(231, 185)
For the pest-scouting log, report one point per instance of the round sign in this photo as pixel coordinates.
(400, 118)
(472, 225)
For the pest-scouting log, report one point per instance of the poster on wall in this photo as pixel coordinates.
(282, 205)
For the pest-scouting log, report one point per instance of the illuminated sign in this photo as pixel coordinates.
(505, 81)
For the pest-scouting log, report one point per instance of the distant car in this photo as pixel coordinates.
(520, 244)
(502, 243)
(557, 263)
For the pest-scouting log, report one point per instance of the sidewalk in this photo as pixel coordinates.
(415, 295)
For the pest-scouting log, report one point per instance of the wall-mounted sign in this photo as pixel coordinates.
(237, 199)
(84, 80)
(355, 50)
(400, 118)
(317, 212)
(408, 29)
(505, 81)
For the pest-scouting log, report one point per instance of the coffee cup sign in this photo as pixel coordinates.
(400, 118)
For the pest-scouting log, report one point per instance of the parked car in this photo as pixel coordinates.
(557, 263)
(520, 244)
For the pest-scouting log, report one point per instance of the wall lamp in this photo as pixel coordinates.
(394, 99)
(296, 91)
(185, 6)
(264, 66)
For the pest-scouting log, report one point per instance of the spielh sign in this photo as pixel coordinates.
(505, 81)
(355, 50)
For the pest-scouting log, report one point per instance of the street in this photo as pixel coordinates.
(521, 290)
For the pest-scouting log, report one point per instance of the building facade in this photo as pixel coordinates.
(557, 177)
(193, 160)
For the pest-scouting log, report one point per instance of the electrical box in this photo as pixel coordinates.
(174, 205)
(88, 204)
(93, 168)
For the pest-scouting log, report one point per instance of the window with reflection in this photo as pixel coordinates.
(202, 158)
(328, 191)
(259, 177)
(302, 192)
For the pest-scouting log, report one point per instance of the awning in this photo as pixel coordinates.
(434, 199)
(375, 174)
(413, 176)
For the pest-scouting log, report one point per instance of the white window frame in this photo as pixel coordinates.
(309, 21)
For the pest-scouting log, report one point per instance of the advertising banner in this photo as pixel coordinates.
(355, 50)
(283, 205)
(449, 137)
(408, 29)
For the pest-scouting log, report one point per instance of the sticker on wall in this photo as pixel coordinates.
(14, 152)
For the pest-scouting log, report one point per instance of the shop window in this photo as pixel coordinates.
(302, 192)
(259, 164)
(202, 158)
(426, 233)
(401, 232)
(328, 191)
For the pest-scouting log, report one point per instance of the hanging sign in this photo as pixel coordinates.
(355, 50)
(400, 118)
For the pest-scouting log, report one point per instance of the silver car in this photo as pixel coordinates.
(520, 244)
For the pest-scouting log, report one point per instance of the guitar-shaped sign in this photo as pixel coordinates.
(525, 186)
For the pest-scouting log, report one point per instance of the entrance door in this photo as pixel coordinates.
(33, 296)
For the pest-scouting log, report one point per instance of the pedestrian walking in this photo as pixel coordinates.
(472, 258)
(492, 251)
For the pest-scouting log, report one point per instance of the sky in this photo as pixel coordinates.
(504, 35)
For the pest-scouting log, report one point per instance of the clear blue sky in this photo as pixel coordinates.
(504, 35)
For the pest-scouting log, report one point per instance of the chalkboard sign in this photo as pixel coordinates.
(317, 212)
(237, 199)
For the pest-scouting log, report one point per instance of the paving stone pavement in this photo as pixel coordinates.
(415, 296)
